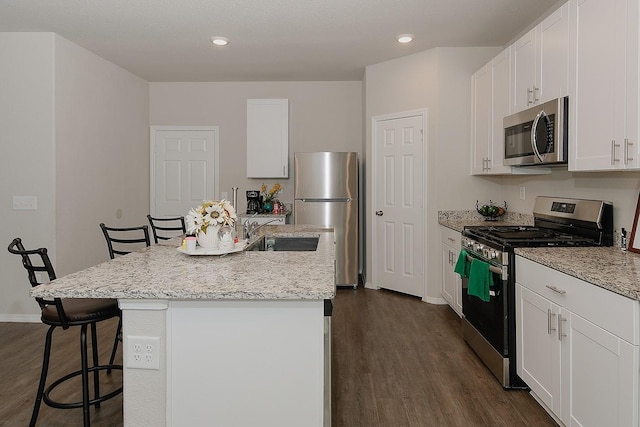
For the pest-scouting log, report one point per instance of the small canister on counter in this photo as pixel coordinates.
(277, 207)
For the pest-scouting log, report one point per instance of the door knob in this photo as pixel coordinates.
(379, 213)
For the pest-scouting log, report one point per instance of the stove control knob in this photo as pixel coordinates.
(490, 253)
(478, 247)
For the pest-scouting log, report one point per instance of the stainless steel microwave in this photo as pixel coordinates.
(537, 135)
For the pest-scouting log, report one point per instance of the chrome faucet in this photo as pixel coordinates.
(254, 226)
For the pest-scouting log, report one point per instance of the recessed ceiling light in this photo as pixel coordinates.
(220, 41)
(404, 38)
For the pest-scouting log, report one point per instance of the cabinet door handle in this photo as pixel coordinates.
(550, 314)
(535, 94)
(555, 289)
(613, 152)
(529, 94)
(627, 159)
(451, 239)
(560, 333)
(284, 170)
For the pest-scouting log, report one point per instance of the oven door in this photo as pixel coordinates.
(490, 319)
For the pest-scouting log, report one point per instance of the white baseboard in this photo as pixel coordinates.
(20, 318)
(437, 301)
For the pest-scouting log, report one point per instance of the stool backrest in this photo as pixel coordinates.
(37, 261)
(175, 226)
(129, 237)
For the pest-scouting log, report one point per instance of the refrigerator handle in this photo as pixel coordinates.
(326, 200)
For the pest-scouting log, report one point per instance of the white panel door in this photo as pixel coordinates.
(398, 249)
(184, 168)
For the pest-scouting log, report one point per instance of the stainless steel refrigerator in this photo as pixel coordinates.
(326, 194)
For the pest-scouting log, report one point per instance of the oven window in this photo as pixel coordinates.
(489, 318)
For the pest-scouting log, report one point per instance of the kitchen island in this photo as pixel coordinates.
(241, 337)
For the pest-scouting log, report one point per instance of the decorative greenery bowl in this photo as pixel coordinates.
(491, 211)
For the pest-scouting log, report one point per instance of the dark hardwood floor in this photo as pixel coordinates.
(397, 361)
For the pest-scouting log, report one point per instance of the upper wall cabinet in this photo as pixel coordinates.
(490, 93)
(267, 138)
(540, 62)
(603, 103)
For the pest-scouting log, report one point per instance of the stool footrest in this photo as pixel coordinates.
(95, 401)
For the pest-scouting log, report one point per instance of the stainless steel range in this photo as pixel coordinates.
(489, 327)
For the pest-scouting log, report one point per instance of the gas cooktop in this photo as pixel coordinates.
(522, 235)
(558, 222)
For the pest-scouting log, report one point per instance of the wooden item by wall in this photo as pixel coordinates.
(634, 240)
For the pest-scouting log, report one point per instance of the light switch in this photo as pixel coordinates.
(25, 203)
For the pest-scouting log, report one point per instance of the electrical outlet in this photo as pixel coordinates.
(143, 352)
(25, 203)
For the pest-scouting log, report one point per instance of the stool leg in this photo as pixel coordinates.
(85, 375)
(43, 376)
(115, 343)
(96, 372)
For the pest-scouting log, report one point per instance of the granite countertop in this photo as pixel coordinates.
(607, 267)
(161, 272)
(457, 220)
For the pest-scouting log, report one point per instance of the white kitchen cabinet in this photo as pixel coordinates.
(267, 138)
(540, 62)
(537, 346)
(603, 103)
(451, 281)
(491, 93)
(577, 347)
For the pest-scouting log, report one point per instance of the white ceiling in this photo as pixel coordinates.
(271, 40)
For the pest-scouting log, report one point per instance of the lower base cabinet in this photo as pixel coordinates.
(577, 347)
(451, 282)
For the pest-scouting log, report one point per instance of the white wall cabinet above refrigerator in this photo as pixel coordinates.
(540, 62)
(603, 103)
(268, 138)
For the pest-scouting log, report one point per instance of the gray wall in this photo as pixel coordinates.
(440, 81)
(74, 134)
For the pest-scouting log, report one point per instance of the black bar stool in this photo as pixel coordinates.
(120, 237)
(65, 313)
(175, 226)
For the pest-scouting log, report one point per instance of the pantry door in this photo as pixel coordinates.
(398, 205)
(184, 168)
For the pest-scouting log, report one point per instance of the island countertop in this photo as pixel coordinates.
(161, 272)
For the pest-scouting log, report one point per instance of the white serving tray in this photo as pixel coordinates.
(239, 247)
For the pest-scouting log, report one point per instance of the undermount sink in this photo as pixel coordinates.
(271, 243)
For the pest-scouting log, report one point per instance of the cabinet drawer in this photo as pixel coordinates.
(450, 237)
(617, 314)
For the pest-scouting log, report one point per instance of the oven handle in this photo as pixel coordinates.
(492, 268)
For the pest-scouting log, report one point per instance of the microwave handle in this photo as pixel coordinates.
(534, 131)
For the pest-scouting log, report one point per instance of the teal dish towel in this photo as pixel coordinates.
(480, 279)
(462, 265)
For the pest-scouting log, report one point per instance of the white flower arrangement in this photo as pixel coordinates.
(210, 212)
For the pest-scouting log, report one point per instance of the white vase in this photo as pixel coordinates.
(210, 239)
